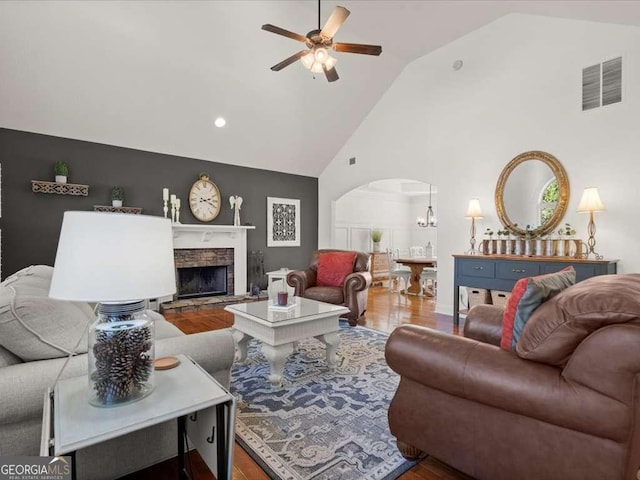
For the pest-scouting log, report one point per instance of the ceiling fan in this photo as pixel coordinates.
(316, 57)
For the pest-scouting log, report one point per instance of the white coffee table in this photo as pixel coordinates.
(278, 330)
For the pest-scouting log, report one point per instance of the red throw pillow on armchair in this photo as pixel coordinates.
(333, 267)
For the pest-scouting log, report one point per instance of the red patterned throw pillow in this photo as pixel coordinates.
(527, 295)
(333, 267)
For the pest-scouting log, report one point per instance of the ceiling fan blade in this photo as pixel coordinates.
(281, 31)
(357, 48)
(337, 18)
(331, 74)
(285, 63)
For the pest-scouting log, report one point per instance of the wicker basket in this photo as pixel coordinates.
(478, 296)
(499, 297)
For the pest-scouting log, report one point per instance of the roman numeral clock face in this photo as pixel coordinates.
(204, 199)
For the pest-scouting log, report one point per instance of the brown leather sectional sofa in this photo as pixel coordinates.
(565, 405)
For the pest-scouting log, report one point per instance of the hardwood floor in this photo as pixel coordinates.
(385, 311)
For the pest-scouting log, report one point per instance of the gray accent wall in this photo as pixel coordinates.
(31, 222)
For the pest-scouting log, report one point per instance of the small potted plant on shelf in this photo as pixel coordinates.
(376, 236)
(61, 170)
(117, 196)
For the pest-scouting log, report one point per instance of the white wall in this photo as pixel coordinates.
(359, 211)
(519, 90)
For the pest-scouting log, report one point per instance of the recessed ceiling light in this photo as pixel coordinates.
(457, 65)
(220, 122)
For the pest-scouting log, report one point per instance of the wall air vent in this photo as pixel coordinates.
(602, 84)
(612, 81)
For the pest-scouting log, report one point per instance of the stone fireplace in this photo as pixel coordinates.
(200, 246)
(204, 272)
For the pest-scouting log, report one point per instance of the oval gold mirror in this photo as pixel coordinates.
(533, 191)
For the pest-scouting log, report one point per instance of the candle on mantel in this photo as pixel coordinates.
(177, 203)
(165, 194)
(173, 198)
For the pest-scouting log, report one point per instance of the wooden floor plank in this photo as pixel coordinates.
(386, 310)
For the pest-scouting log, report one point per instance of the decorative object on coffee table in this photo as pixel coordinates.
(236, 203)
(118, 261)
(117, 196)
(61, 170)
(474, 211)
(283, 222)
(276, 281)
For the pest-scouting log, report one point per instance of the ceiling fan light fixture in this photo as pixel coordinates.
(331, 62)
(316, 67)
(308, 60)
(320, 54)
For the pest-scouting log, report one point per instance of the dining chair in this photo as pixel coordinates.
(397, 272)
(416, 251)
(429, 275)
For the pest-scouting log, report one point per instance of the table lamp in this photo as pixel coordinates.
(118, 260)
(474, 211)
(589, 203)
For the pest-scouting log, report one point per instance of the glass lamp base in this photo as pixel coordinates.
(121, 354)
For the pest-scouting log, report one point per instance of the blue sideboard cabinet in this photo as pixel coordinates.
(501, 272)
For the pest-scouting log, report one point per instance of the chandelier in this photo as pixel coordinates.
(430, 220)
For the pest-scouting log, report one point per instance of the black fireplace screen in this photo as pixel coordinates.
(202, 281)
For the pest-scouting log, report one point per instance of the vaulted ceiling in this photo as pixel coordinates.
(155, 75)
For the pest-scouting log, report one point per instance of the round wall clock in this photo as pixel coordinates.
(204, 199)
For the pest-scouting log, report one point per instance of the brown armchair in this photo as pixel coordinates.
(562, 406)
(353, 293)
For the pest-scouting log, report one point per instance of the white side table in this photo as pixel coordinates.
(276, 280)
(205, 411)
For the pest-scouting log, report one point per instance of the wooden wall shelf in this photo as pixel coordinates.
(40, 186)
(108, 208)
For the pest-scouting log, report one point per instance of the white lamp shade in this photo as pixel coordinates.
(474, 210)
(113, 257)
(590, 201)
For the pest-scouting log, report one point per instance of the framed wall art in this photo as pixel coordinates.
(283, 222)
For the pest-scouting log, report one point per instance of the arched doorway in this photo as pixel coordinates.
(391, 206)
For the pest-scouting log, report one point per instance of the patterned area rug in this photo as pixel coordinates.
(322, 424)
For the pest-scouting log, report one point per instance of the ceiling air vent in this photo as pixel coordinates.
(602, 84)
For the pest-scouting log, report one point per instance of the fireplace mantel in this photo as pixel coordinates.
(217, 236)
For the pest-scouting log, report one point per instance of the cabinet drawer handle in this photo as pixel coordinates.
(518, 270)
(478, 268)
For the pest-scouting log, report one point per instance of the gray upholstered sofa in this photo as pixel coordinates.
(35, 334)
